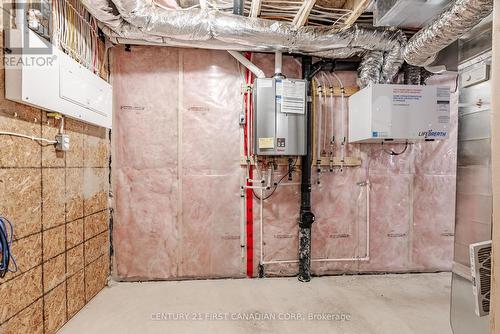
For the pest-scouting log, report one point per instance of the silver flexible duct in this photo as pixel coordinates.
(370, 68)
(140, 20)
(461, 17)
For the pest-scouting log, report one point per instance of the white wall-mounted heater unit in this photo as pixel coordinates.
(41, 75)
(399, 113)
(480, 265)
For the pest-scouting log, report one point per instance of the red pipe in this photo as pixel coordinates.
(249, 194)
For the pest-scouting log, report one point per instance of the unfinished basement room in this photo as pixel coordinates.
(250, 166)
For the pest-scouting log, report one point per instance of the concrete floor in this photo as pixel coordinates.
(385, 304)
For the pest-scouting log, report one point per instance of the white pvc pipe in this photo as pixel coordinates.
(320, 111)
(342, 120)
(368, 189)
(278, 62)
(332, 134)
(325, 121)
(243, 241)
(350, 259)
(290, 184)
(248, 64)
(261, 227)
(267, 184)
(365, 258)
(342, 147)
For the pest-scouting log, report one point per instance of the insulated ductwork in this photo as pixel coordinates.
(138, 20)
(369, 70)
(461, 17)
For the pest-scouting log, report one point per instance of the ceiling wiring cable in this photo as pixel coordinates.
(291, 169)
(6, 236)
(6, 133)
(75, 32)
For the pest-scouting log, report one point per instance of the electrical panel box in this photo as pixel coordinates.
(399, 113)
(53, 81)
(280, 116)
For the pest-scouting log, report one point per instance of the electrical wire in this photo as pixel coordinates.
(391, 152)
(28, 137)
(291, 169)
(6, 236)
(75, 32)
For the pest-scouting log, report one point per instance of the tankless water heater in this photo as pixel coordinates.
(280, 116)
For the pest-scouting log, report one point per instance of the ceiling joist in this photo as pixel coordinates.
(357, 7)
(255, 8)
(301, 17)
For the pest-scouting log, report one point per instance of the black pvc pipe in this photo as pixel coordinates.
(306, 216)
(238, 6)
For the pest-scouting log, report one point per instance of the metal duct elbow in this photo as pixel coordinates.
(458, 19)
(370, 68)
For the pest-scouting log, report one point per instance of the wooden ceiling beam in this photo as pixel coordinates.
(255, 8)
(301, 17)
(357, 7)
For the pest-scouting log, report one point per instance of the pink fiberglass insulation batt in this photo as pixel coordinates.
(177, 176)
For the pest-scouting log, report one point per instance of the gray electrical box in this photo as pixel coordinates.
(280, 116)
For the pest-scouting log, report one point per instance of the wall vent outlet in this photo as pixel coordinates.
(480, 259)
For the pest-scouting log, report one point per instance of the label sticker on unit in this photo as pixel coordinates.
(443, 107)
(404, 97)
(279, 90)
(280, 142)
(443, 94)
(291, 95)
(266, 143)
(379, 134)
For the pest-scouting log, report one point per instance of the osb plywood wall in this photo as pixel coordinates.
(58, 205)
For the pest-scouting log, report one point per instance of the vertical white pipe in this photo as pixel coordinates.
(319, 113)
(342, 154)
(325, 121)
(342, 120)
(243, 241)
(261, 226)
(278, 62)
(180, 106)
(332, 123)
(248, 120)
(368, 188)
